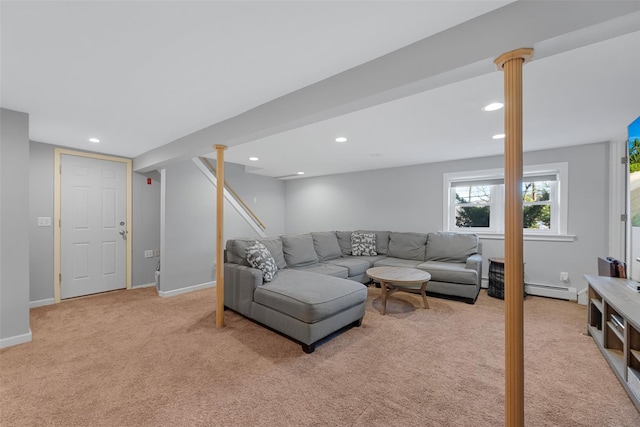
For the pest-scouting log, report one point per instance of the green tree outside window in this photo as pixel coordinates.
(536, 209)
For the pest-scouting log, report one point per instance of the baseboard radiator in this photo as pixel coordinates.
(552, 291)
(543, 290)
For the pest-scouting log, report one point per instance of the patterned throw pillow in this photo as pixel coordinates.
(258, 256)
(363, 244)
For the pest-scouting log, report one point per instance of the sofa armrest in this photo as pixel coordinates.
(239, 283)
(474, 262)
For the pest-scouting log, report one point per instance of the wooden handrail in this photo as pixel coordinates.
(236, 195)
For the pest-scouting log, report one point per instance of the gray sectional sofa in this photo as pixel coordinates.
(319, 287)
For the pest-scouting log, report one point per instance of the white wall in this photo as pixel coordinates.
(411, 199)
(189, 236)
(14, 228)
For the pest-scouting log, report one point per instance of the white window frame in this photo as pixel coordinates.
(558, 200)
(497, 194)
(491, 204)
(552, 202)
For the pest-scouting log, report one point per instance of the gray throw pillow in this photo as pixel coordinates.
(363, 244)
(258, 256)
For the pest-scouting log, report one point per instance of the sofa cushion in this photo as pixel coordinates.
(344, 240)
(451, 272)
(310, 297)
(354, 265)
(407, 245)
(258, 256)
(382, 240)
(326, 245)
(237, 255)
(363, 244)
(397, 262)
(327, 269)
(298, 250)
(371, 259)
(236, 250)
(274, 244)
(451, 247)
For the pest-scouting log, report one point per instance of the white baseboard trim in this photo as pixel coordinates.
(145, 285)
(175, 292)
(41, 302)
(18, 339)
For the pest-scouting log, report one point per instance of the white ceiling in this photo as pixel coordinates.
(583, 96)
(139, 75)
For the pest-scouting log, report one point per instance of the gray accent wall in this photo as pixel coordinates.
(265, 197)
(189, 231)
(189, 238)
(14, 228)
(145, 227)
(410, 199)
(41, 238)
(189, 222)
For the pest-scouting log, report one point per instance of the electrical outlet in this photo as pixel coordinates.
(564, 276)
(148, 254)
(44, 221)
(157, 252)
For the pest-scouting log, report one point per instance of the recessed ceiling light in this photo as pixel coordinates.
(94, 140)
(341, 139)
(493, 106)
(498, 136)
(254, 159)
(300, 173)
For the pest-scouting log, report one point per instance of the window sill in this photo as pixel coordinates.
(531, 237)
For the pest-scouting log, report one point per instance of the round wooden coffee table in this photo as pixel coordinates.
(394, 279)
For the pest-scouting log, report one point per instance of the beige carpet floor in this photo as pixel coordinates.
(131, 358)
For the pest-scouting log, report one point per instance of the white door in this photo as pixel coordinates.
(93, 229)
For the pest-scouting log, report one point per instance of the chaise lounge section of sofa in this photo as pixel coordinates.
(306, 306)
(319, 285)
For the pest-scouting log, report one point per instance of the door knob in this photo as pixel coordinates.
(123, 233)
